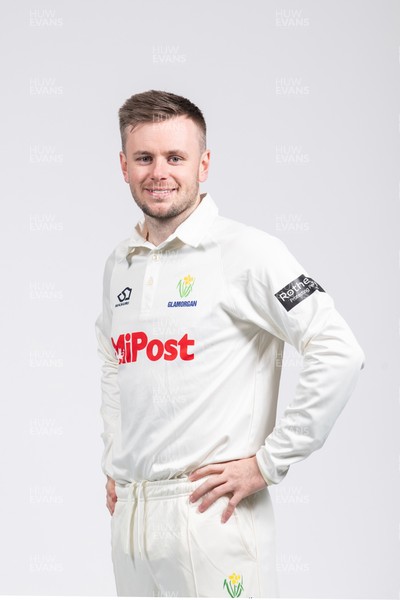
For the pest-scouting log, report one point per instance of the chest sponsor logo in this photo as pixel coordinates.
(296, 291)
(124, 296)
(185, 286)
(128, 346)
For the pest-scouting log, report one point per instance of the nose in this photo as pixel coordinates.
(159, 169)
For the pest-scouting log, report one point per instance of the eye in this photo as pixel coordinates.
(177, 157)
(142, 158)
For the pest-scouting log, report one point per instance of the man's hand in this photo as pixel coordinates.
(111, 495)
(237, 477)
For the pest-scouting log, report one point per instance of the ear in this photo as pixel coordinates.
(124, 166)
(204, 165)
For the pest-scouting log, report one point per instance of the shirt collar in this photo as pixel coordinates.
(190, 231)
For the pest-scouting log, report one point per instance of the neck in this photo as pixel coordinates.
(158, 230)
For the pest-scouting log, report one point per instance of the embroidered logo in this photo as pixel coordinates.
(185, 286)
(296, 291)
(124, 296)
(234, 585)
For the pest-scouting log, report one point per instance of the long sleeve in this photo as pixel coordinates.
(285, 301)
(332, 360)
(110, 396)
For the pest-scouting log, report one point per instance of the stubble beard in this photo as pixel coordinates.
(184, 202)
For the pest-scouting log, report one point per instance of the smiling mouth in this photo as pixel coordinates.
(160, 192)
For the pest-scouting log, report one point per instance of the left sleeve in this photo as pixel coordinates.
(110, 394)
(283, 299)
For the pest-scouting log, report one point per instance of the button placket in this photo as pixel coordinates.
(150, 279)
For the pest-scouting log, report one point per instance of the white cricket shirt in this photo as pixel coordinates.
(191, 336)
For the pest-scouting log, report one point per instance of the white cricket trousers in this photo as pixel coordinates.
(162, 545)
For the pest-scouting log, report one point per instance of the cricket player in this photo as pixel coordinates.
(196, 311)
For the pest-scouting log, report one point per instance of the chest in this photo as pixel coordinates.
(168, 293)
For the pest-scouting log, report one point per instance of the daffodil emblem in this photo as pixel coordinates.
(185, 286)
(234, 585)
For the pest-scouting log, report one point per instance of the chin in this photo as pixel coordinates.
(159, 212)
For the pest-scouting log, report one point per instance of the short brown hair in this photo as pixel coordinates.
(155, 106)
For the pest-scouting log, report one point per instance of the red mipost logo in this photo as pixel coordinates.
(129, 345)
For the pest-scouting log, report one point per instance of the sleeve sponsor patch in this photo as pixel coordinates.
(296, 291)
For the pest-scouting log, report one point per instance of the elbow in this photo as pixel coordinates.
(351, 359)
(357, 357)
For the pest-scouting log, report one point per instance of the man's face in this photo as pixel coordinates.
(163, 165)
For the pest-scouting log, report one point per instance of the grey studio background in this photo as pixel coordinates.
(301, 101)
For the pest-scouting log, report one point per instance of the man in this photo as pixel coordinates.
(196, 311)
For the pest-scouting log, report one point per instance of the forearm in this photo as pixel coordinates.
(332, 363)
(110, 401)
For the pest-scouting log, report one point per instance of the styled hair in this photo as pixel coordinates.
(155, 106)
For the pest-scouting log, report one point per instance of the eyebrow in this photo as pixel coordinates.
(175, 151)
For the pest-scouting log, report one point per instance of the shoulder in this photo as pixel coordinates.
(249, 247)
(118, 254)
(229, 230)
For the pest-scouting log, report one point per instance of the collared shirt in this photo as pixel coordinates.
(192, 334)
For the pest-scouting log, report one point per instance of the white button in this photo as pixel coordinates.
(156, 257)
(149, 281)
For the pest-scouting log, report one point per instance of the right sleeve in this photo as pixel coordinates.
(110, 399)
